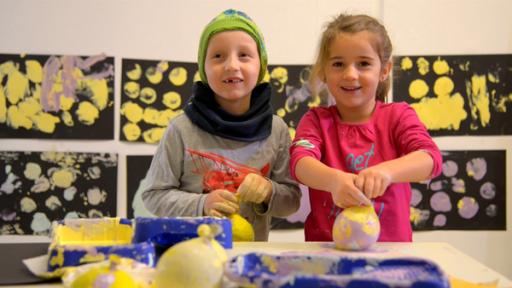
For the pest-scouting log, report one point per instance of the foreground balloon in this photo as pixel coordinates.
(356, 228)
(197, 262)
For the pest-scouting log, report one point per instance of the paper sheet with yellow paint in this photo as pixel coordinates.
(56, 96)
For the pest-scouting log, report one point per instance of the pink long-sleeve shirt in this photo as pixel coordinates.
(394, 130)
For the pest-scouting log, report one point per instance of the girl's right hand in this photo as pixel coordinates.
(220, 203)
(345, 193)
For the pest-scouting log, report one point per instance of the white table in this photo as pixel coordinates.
(452, 261)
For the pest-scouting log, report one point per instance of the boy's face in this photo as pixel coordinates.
(232, 67)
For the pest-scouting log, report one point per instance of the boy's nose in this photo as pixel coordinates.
(232, 63)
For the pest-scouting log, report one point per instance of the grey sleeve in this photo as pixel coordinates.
(286, 194)
(162, 195)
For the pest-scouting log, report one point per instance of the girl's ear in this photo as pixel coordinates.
(386, 69)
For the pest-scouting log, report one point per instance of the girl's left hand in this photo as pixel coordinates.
(373, 181)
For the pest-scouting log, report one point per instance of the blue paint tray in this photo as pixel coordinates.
(265, 270)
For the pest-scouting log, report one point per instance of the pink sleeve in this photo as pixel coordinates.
(308, 140)
(412, 136)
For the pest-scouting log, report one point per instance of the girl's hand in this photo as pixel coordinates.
(220, 203)
(254, 188)
(373, 181)
(345, 193)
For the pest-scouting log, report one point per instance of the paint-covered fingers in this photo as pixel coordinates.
(254, 188)
(220, 203)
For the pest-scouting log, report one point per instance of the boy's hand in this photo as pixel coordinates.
(254, 188)
(220, 203)
(345, 193)
(373, 181)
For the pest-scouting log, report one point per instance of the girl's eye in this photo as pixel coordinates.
(365, 64)
(337, 64)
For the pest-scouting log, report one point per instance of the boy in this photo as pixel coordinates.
(227, 153)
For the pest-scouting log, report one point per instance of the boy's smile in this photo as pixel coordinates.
(232, 67)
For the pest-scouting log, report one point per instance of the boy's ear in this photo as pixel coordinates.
(386, 69)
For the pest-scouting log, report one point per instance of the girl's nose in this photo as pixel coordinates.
(350, 72)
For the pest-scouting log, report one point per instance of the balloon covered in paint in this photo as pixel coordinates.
(356, 228)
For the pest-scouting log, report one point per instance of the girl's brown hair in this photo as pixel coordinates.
(353, 24)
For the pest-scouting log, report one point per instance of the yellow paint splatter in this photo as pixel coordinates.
(153, 135)
(153, 75)
(406, 63)
(34, 71)
(132, 89)
(266, 77)
(150, 115)
(32, 171)
(493, 77)
(479, 100)
(443, 86)
(423, 66)
(281, 112)
(87, 113)
(29, 107)
(62, 178)
(17, 119)
(464, 66)
(132, 111)
(281, 75)
(27, 205)
(135, 73)
(197, 77)
(291, 130)
(162, 66)
(99, 90)
(148, 95)
(67, 119)
(16, 87)
(165, 116)
(66, 103)
(172, 100)
(46, 122)
(131, 131)
(451, 109)
(178, 76)
(418, 89)
(3, 105)
(441, 67)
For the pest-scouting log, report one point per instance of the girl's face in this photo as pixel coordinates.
(352, 74)
(232, 67)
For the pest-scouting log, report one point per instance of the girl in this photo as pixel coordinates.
(360, 148)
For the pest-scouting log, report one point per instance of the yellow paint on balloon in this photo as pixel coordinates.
(197, 77)
(17, 119)
(291, 130)
(34, 71)
(99, 89)
(150, 115)
(32, 171)
(451, 108)
(172, 100)
(443, 86)
(3, 105)
(178, 76)
(281, 112)
(67, 119)
(153, 135)
(418, 89)
(131, 89)
(440, 67)
(281, 75)
(153, 75)
(480, 100)
(29, 107)
(62, 178)
(406, 63)
(16, 87)
(132, 111)
(46, 122)
(423, 65)
(87, 113)
(28, 205)
(135, 73)
(131, 131)
(148, 95)
(66, 103)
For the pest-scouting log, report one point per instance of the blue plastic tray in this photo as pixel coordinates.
(265, 270)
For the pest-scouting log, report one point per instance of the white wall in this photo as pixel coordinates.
(170, 29)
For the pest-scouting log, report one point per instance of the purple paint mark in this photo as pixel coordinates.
(8, 215)
(436, 185)
(491, 210)
(416, 197)
(440, 202)
(458, 185)
(439, 220)
(468, 207)
(488, 190)
(477, 168)
(450, 168)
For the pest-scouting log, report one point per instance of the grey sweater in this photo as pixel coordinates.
(190, 162)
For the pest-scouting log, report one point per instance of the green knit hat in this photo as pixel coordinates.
(226, 21)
